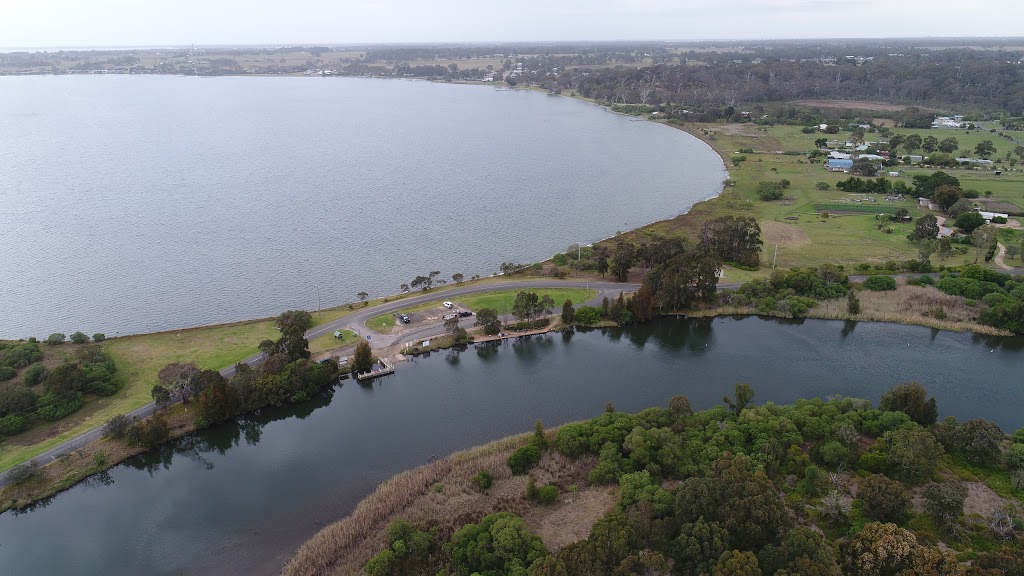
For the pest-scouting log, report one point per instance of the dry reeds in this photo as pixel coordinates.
(441, 496)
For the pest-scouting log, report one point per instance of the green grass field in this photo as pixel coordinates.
(329, 342)
(803, 237)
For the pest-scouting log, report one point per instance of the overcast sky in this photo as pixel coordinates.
(93, 23)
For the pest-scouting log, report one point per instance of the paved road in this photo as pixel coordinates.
(357, 323)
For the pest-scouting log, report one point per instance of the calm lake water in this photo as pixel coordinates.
(240, 498)
(142, 203)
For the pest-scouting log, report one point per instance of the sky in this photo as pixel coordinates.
(136, 23)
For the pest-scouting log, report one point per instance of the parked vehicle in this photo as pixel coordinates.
(465, 313)
(404, 318)
(448, 304)
(447, 317)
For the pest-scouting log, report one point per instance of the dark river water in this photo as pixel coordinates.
(143, 203)
(240, 498)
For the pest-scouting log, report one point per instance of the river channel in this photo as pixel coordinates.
(241, 497)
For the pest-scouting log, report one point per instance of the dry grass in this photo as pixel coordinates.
(782, 234)
(906, 305)
(76, 466)
(441, 496)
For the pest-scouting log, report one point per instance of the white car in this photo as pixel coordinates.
(448, 317)
(448, 304)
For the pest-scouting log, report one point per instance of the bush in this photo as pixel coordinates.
(822, 185)
(117, 426)
(99, 337)
(35, 374)
(547, 495)
(884, 500)
(483, 480)
(880, 283)
(911, 398)
(979, 441)
(999, 220)
(945, 501)
(149, 432)
(54, 406)
(1015, 456)
(56, 338)
(523, 460)
(7, 373)
(769, 191)
(79, 338)
(588, 315)
(23, 473)
(12, 424)
(834, 453)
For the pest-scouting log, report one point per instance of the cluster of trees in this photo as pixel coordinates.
(61, 391)
(768, 190)
(791, 292)
(1001, 294)
(817, 488)
(285, 375)
(883, 185)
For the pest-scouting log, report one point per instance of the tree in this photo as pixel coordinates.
(161, 396)
(524, 459)
(930, 144)
(699, 546)
(216, 403)
(745, 502)
(568, 312)
(117, 426)
(983, 238)
(879, 550)
(458, 278)
(294, 321)
(99, 337)
(883, 499)
(179, 379)
(733, 239)
(79, 338)
(962, 206)
(912, 142)
(404, 288)
(821, 143)
(546, 305)
(736, 563)
(55, 339)
(925, 249)
(487, 318)
(769, 191)
(969, 221)
(526, 306)
(623, 260)
(911, 398)
(362, 360)
(946, 196)
(926, 227)
(500, 544)
(945, 501)
(980, 441)
(852, 303)
(602, 262)
(985, 148)
(912, 453)
(864, 167)
(896, 141)
(743, 394)
(949, 145)
(688, 277)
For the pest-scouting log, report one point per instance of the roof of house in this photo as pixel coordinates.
(837, 163)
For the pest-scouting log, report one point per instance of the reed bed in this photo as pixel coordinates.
(439, 495)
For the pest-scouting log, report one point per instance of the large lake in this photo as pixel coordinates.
(240, 498)
(141, 203)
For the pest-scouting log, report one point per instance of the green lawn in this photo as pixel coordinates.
(329, 342)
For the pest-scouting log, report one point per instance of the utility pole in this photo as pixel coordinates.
(776, 257)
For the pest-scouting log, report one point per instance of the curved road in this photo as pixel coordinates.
(357, 323)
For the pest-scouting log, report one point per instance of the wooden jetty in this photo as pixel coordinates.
(388, 367)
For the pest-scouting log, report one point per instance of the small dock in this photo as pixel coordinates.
(387, 367)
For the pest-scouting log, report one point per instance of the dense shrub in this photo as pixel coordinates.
(99, 337)
(117, 426)
(883, 499)
(149, 432)
(54, 406)
(588, 315)
(880, 283)
(17, 355)
(979, 441)
(12, 424)
(547, 494)
(483, 480)
(911, 398)
(769, 191)
(35, 374)
(79, 337)
(7, 373)
(56, 338)
(524, 459)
